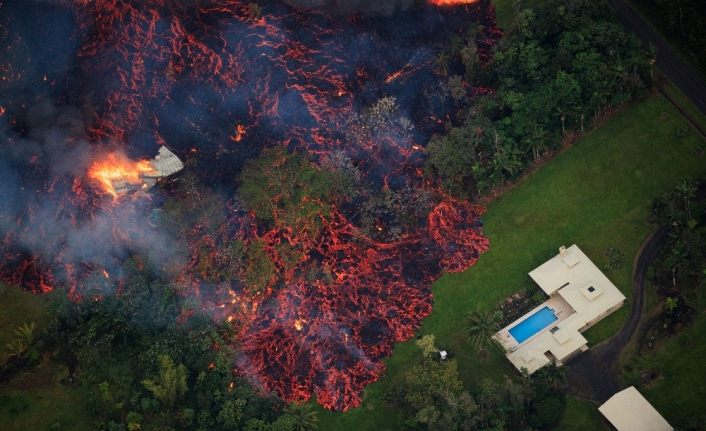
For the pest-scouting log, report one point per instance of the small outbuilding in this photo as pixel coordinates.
(628, 410)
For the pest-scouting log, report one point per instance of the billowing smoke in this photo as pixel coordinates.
(220, 80)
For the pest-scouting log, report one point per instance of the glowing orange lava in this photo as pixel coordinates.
(117, 167)
(451, 2)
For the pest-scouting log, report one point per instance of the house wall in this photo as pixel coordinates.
(602, 316)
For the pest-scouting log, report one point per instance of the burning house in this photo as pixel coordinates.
(120, 175)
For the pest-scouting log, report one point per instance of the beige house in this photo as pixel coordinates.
(628, 410)
(579, 296)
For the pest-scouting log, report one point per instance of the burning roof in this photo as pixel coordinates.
(120, 175)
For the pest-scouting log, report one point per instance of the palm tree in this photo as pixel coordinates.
(480, 328)
(672, 304)
(687, 191)
(456, 46)
(16, 348)
(303, 416)
(652, 58)
(442, 63)
(535, 142)
(25, 332)
(552, 375)
(474, 29)
(561, 113)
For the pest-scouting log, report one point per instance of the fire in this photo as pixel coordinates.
(239, 132)
(116, 167)
(294, 85)
(299, 324)
(451, 2)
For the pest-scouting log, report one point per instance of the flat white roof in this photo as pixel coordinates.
(578, 281)
(628, 410)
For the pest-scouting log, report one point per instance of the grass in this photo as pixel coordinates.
(683, 103)
(581, 416)
(18, 307)
(596, 194)
(679, 394)
(35, 400)
(679, 391)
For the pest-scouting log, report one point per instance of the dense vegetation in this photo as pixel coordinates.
(143, 370)
(562, 65)
(682, 23)
(433, 397)
(557, 70)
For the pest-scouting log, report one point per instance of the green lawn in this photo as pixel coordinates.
(679, 392)
(596, 194)
(581, 416)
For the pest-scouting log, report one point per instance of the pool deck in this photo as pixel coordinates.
(561, 309)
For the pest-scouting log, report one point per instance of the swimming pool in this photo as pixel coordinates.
(533, 324)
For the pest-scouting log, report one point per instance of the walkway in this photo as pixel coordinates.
(668, 61)
(593, 372)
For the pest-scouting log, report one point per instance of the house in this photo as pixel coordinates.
(628, 410)
(580, 295)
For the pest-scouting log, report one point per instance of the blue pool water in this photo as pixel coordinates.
(533, 324)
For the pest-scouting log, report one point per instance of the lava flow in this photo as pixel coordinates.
(217, 84)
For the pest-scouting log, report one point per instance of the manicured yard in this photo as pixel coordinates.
(581, 416)
(596, 194)
(679, 394)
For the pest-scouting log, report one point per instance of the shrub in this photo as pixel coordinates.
(651, 273)
(682, 130)
(615, 257)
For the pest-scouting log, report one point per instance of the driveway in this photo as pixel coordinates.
(593, 372)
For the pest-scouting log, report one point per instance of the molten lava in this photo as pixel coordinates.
(115, 168)
(207, 80)
(451, 2)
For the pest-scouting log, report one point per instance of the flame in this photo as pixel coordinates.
(116, 167)
(451, 2)
(299, 324)
(239, 132)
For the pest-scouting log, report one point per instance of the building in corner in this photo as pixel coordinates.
(580, 295)
(628, 410)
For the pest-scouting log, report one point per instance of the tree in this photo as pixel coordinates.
(287, 190)
(535, 142)
(441, 64)
(306, 420)
(687, 191)
(552, 375)
(456, 43)
(170, 385)
(672, 304)
(480, 328)
(16, 348)
(652, 59)
(24, 332)
(426, 343)
(561, 113)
